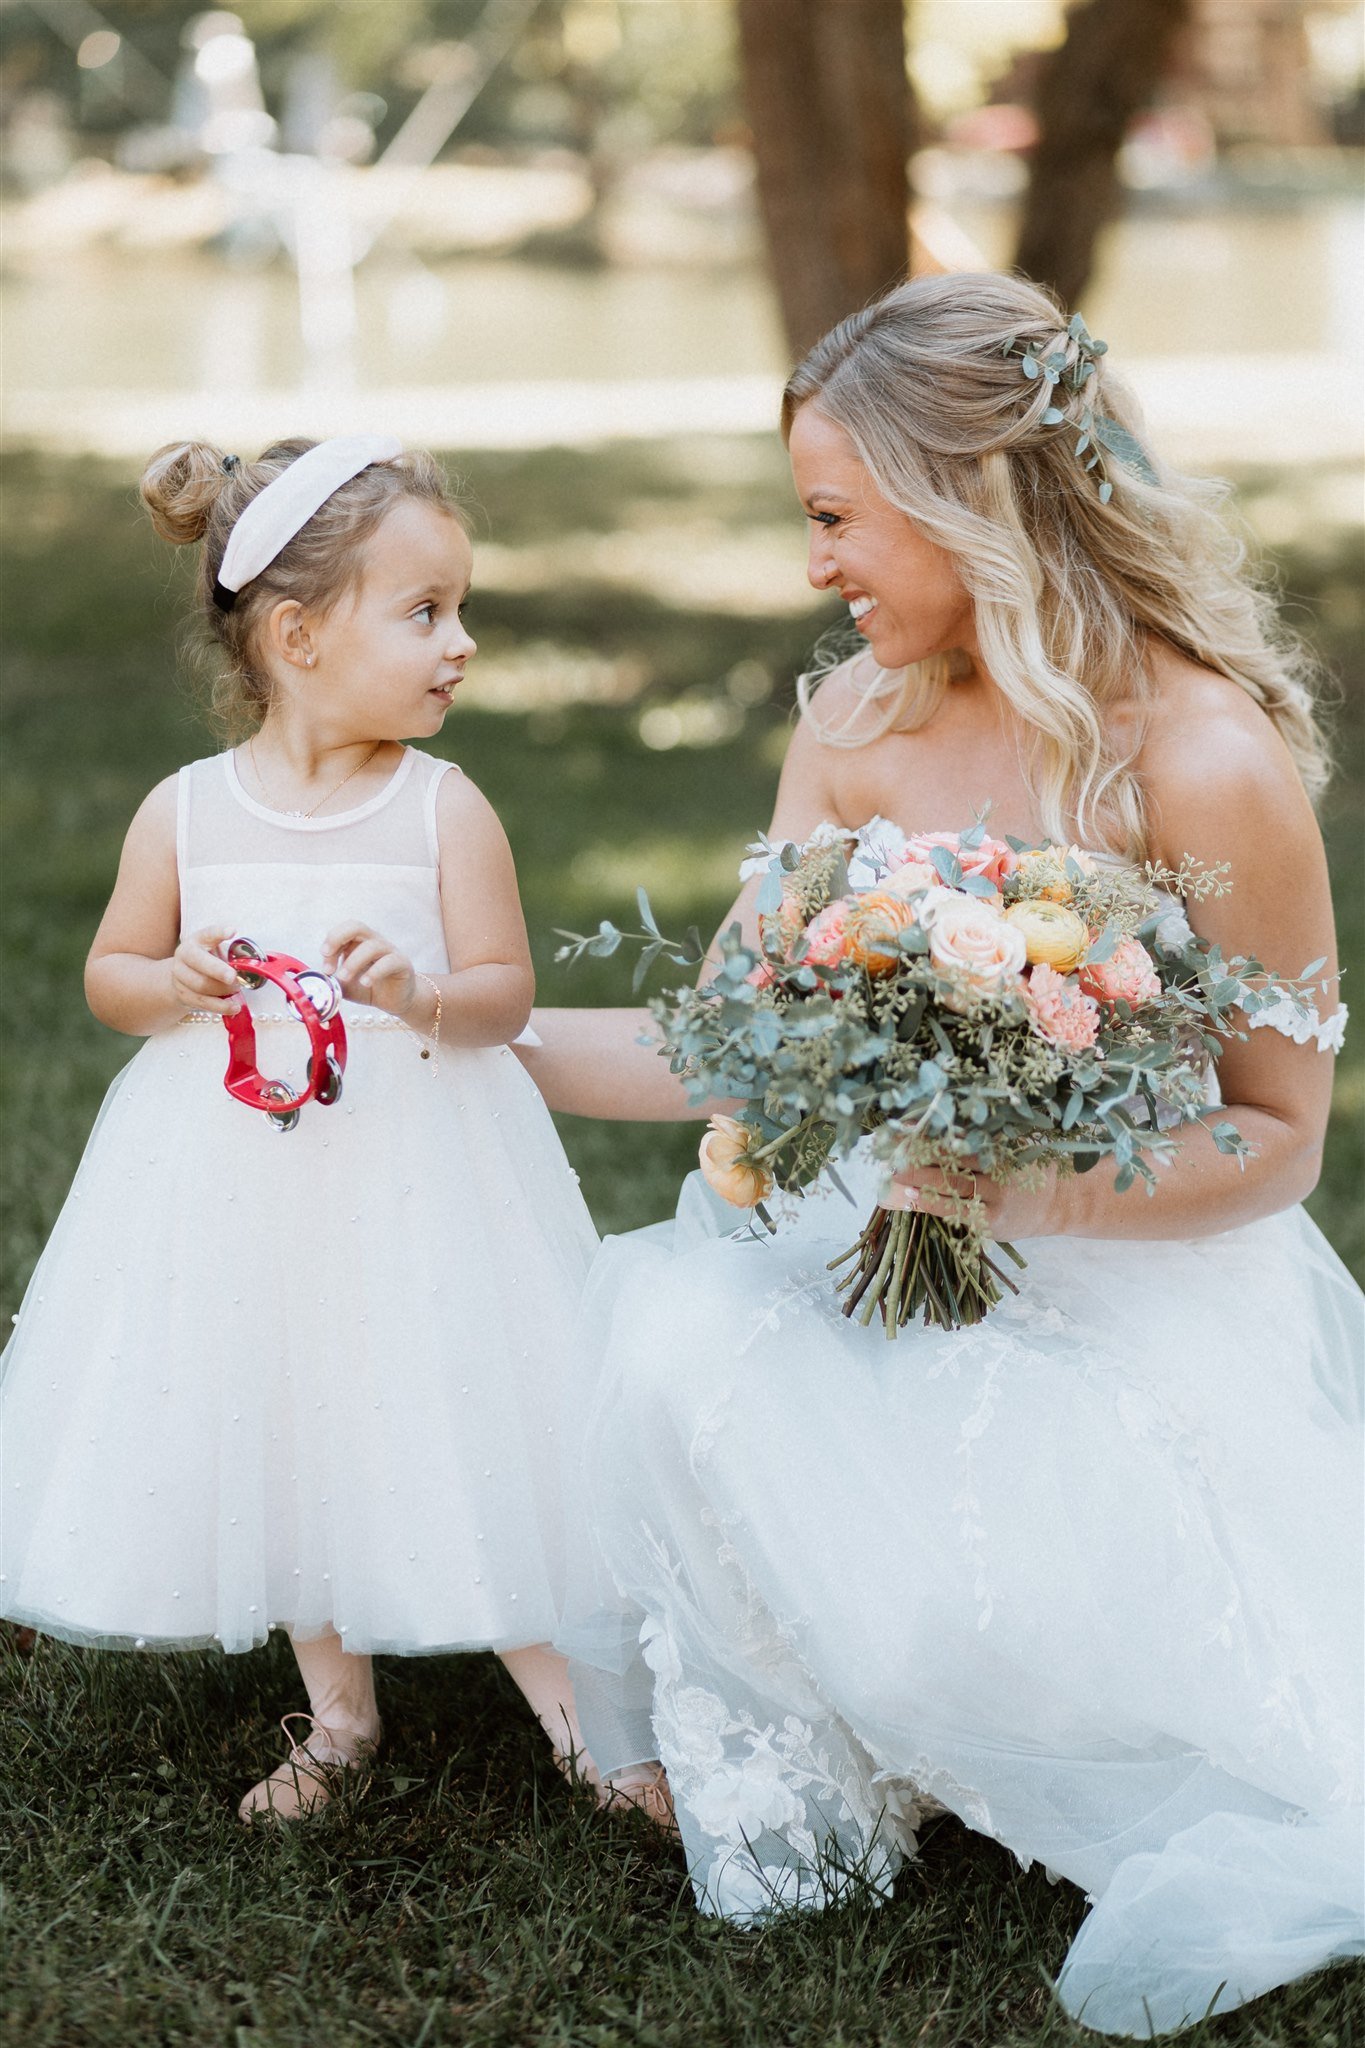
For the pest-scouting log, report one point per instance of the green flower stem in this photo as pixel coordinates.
(891, 1308)
(907, 1264)
(783, 1139)
(875, 1292)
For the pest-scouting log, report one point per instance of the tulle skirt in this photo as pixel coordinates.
(301, 1378)
(1088, 1575)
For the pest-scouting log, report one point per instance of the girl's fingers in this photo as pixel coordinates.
(196, 995)
(340, 940)
(197, 959)
(356, 967)
(384, 969)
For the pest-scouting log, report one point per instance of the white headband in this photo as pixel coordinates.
(285, 506)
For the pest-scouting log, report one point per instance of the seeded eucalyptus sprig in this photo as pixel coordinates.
(1098, 433)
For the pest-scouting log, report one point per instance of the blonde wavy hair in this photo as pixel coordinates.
(1065, 588)
(194, 492)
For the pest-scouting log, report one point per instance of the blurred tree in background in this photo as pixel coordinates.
(830, 107)
(1089, 92)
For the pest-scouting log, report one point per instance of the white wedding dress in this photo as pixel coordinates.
(1089, 1575)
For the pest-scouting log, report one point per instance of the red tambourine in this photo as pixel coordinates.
(315, 999)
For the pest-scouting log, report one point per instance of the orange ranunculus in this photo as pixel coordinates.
(726, 1167)
(1053, 935)
(872, 927)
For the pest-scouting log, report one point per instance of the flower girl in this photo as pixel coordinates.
(309, 1380)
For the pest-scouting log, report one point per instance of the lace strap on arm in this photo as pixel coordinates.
(1304, 1026)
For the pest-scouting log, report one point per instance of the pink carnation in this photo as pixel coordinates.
(826, 939)
(992, 858)
(1060, 1011)
(762, 976)
(1127, 976)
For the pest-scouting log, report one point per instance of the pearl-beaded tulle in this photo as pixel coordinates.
(308, 1378)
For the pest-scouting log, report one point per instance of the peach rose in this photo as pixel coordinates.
(726, 1166)
(871, 929)
(1060, 1011)
(826, 935)
(1128, 976)
(992, 858)
(908, 879)
(968, 940)
(1053, 935)
(762, 976)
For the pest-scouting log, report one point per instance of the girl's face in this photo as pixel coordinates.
(903, 591)
(388, 658)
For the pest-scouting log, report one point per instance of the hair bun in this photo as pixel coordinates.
(180, 486)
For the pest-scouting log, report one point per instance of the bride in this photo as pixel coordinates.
(1088, 1574)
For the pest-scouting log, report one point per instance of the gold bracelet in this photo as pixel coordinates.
(435, 1032)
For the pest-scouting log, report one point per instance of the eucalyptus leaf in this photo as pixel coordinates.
(1126, 446)
(769, 894)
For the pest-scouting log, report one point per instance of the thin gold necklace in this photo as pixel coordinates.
(256, 771)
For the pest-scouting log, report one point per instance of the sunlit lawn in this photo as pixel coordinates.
(468, 1897)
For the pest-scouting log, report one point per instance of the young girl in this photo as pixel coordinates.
(309, 1380)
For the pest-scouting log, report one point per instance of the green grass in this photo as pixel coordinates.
(468, 1896)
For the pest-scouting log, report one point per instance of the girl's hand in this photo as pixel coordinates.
(370, 970)
(201, 978)
(1011, 1210)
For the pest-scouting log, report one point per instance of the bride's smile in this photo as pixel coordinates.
(903, 591)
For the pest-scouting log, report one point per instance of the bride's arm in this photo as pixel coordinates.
(591, 1062)
(1223, 788)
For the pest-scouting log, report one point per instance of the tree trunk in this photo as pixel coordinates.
(1103, 75)
(830, 109)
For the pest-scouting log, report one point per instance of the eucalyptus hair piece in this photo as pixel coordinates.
(1071, 373)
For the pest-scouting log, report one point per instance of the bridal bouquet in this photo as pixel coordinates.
(969, 1003)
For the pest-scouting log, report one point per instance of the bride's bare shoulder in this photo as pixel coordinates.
(1208, 749)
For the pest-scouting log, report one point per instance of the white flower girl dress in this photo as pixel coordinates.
(312, 1377)
(1088, 1574)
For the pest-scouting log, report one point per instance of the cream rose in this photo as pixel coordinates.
(968, 941)
(910, 878)
(726, 1167)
